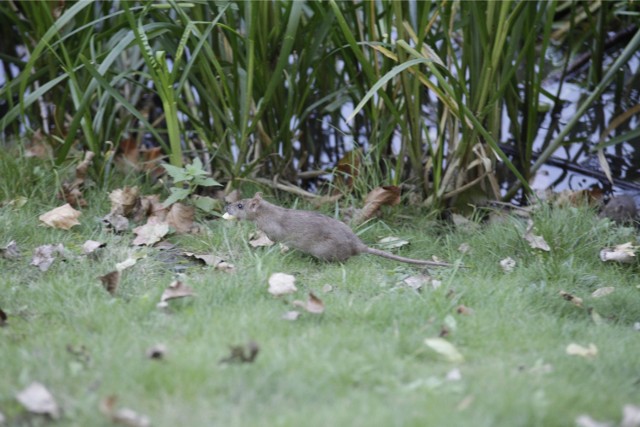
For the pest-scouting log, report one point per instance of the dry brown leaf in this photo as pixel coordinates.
(259, 239)
(116, 222)
(110, 281)
(291, 315)
(624, 253)
(417, 282)
(157, 209)
(63, 217)
(378, 197)
(282, 284)
(123, 200)
(176, 289)
(156, 352)
(43, 256)
(536, 242)
(577, 301)
(242, 353)
(464, 310)
(10, 251)
(602, 292)
(180, 217)
(574, 349)
(90, 246)
(129, 262)
(313, 305)
(212, 260)
(38, 400)
(150, 233)
(72, 191)
(124, 416)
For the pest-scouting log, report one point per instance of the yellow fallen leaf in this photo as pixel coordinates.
(63, 217)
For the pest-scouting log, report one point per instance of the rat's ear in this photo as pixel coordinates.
(255, 202)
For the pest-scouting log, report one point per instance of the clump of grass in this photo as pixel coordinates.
(362, 362)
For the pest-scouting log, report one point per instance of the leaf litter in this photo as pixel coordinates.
(123, 416)
(63, 217)
(45, 255)
(246, 353)
(313, 304)
(38, 400)
(175, 290)
(281, 284)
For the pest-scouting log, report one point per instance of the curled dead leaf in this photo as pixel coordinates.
(180, 217)
(3, 318)
(417, 282)
(259, 239)
(116, 222)
(535, 241)
(212, 260)
(282, 284)
(110, 281)
(63, 217)
(10, 251)
(624, 253)
(38, 400)
(577, 301)
(291, 315)
(242, 353)
(45, 255)
(150, 233)
(464, 310)
(312, 305)
(176, 289)
(123, 200)
(90, 246)
(378, 197)
(124, 416)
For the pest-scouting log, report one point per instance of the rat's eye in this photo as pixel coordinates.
(240, 206)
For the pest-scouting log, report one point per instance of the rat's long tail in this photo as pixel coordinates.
(388, 255)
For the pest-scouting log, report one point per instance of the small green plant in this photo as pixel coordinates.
(187, 180)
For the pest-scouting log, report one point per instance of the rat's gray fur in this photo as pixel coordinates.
(313, 233)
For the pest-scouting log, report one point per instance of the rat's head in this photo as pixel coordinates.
(245, 208)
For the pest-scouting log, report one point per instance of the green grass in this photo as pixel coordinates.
(363, 362)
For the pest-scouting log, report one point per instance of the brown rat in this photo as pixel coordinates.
(313, 233)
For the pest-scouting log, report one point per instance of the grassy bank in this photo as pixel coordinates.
(362, 362)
